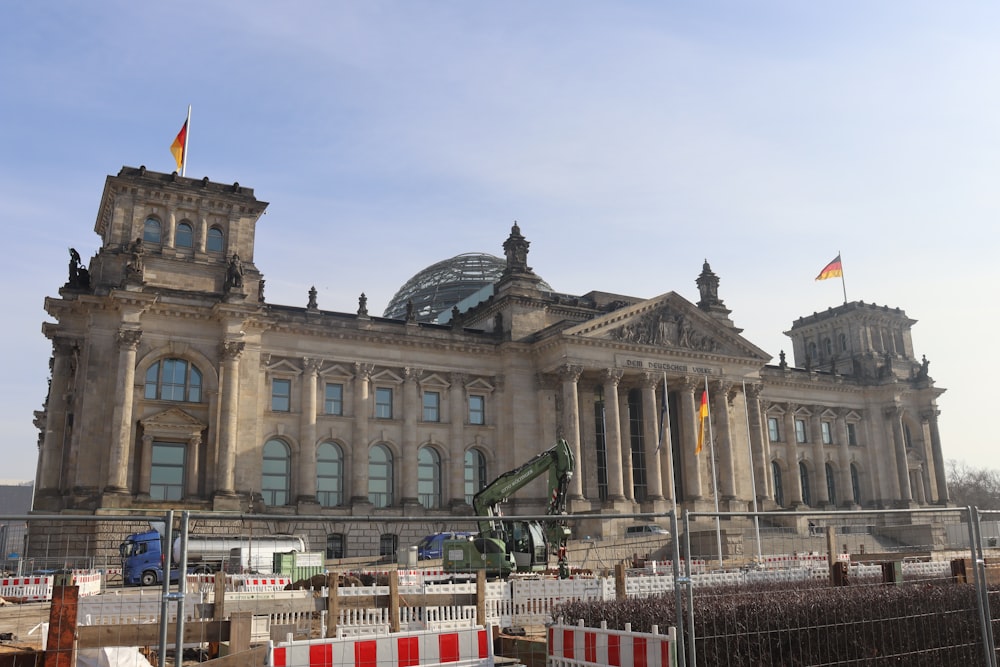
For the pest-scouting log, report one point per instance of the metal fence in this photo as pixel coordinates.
(815, 588)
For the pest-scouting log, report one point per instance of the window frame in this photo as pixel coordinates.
(801, 433)
(431, 406)
(774, 429)
(188, 234)
(152, 230)
(429, 485)
(477, 417)
(333, 405)
(387, 479)
(475, 469)
(276, 397)
(826, 430)
(155, 485)
(215, 232)
(330, 497)
(272, 494)
(804, 482)
(383, 408)
(852, 434)
(191, 390)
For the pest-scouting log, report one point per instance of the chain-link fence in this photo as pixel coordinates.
(915, 587)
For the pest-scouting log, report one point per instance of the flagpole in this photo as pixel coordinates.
(187, 137)
(753, 480)
(665, 441)
(715, 480)
(843, 283)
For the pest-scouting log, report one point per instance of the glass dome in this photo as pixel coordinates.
(442, 285)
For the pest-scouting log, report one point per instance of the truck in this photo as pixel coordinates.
(504, 546)
(142, 554)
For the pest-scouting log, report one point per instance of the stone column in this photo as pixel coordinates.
(760, 446)
(628, 473)
(50, 454)
(225, 470)
(145, 465)
(721, 397)
(650, 437)
(118, 456)
(408, 450)
(307, 433)
(613, 435)
(689, 440)
(895, 416)
(201, 234)
(570, 376)
(794, 485)
(940, 474)
(844, 460)
(362, 416)
(456, 414)
(822, 496)
(191, 467)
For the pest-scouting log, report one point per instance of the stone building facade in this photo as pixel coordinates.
(175, 383)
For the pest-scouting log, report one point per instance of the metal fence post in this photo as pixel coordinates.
(692, 652)
(182, 587)
(678, 589)
(982, 590)
(165, 549)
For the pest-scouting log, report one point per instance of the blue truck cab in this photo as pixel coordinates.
(142, 559)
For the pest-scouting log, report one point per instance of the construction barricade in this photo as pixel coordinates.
(470, 647)
(579, 646)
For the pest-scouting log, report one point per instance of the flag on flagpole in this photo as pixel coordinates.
(702, 421)
(663, 415)
(180, 145)
(832, 270)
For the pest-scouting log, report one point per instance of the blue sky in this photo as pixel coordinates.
(631, 141)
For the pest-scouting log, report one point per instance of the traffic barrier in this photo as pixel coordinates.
(460, 648)
(88, 582)
(28, 589)
(579, 646)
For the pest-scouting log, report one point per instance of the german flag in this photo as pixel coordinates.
(702, 421)
(177, 148)
(832, 270)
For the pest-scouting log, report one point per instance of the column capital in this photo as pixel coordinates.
(690, 384)
(892, 411)
(570, 372)
(310, 365)
(128, 339)
(363, 370)
(232, 349)
(649, 379)
(929, 415)
(612, 375)
(412, 374)
(754, 390)
(458, 379)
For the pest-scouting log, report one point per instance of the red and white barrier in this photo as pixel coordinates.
(29, 589)
(578, 646)
(457, 648)
(89, 583)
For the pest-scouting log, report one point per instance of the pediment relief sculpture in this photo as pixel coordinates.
(667, 327)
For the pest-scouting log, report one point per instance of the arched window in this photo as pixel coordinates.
(151, 231)
(843, 342)
(831, 484)
(173, 380)
(475, 473)
(329, 475)
(812, 351)
(215, 240)
(380, 476)
(184, 236)
(429, 478)
(779, 495)
(828, 346)
(275, 479)
(804, 478)
(855, 484)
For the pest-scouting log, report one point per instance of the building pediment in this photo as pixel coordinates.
(172, 423)
(668, 321)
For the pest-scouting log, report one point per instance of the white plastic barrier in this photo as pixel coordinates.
(29, 589)
(460, 648)
(579, 646)
(88, 582)
(534, 599)
(258, 583)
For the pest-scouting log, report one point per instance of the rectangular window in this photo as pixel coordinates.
(800, 431)
(827, 433)
(477, 410)
(772, 429)
(335, 545)
(334, 399)
(388, 544)
(852, 434)
(166, 473)
(383, 403)
(432, 406)
(281, 395)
